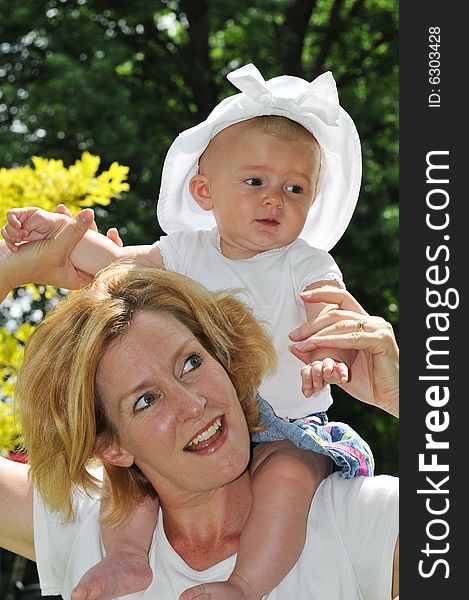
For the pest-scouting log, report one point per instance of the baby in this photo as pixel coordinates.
(251, 199)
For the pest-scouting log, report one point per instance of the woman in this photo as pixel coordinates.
(167, 363)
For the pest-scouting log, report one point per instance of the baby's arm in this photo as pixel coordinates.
(94, 252)
(125, 569)
(284, 480)
(326, 365)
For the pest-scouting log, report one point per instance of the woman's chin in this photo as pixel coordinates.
(235, 463)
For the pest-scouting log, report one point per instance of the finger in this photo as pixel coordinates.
(63, 210)
(17, 216)
(328, 366)
(317, 375)
(13, 233)
(342, 372)
(198, 592)
(332, 295)
(302, 355)
(113, 235)
(75, 229)
(306, 381)
(349, 341)
(335, 317)
(333, 378)
(5, 234)
(11, 246)
(329, 327)
(13, 220)
(13, 237)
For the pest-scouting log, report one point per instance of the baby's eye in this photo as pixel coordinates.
(254, 181)
(192, 362)
(144, 401)
(295, 189)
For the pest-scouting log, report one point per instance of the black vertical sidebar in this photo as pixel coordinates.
(434, 323)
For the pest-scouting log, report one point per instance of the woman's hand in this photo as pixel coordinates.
(46, 261)
(375, 370)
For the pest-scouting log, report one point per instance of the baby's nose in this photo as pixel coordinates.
(273, 197)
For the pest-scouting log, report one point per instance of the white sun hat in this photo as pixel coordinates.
(314, 105)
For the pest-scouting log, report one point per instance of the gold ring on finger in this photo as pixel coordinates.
(360, 326)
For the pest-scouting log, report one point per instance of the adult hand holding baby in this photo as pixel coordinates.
(375, 370)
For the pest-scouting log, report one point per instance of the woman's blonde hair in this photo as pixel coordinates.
(62, 415)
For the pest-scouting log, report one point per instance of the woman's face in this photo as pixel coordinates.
(175, 409)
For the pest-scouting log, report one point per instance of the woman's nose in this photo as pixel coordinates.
(190, 404)
(273, 197)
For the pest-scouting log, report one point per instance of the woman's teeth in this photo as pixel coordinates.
(214, 427)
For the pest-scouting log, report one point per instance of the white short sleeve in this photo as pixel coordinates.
(311, 264)
(65, 550)
(175, 248)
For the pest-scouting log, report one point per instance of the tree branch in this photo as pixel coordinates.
(334, 28)
(197, 69)
(291, 35)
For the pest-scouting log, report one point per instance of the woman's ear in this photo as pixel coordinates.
(113, 454)
(199, 188)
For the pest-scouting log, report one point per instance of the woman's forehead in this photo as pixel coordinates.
(157, 332)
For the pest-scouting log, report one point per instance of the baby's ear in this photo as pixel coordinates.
(199, 188)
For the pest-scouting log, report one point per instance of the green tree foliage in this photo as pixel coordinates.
(121, 79)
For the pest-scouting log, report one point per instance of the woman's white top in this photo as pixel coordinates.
(348, 554)
(271, 283)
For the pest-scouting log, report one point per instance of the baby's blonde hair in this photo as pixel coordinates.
(281, 127)
(63, 417)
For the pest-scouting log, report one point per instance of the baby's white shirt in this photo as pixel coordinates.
(272, 282)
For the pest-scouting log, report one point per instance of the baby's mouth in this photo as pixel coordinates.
(268, 222)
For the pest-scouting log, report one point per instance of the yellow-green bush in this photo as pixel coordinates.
(10, 431)
(48, 182)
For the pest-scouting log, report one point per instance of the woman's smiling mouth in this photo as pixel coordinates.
(210, 438)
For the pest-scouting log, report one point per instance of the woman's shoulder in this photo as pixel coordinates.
(357, 522)
(358, 498)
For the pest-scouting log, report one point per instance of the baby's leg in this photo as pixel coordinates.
(284, 480)
(125, 568)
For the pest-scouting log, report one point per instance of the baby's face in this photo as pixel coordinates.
(260, 188)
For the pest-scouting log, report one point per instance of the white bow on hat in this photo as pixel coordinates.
(315, 105)
(319, 98)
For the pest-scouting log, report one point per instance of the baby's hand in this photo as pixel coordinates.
(315, 375)
(30, 224)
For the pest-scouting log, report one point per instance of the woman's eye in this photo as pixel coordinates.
(295, 189)
(254, 181)
(144, 401)
(193, 362)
